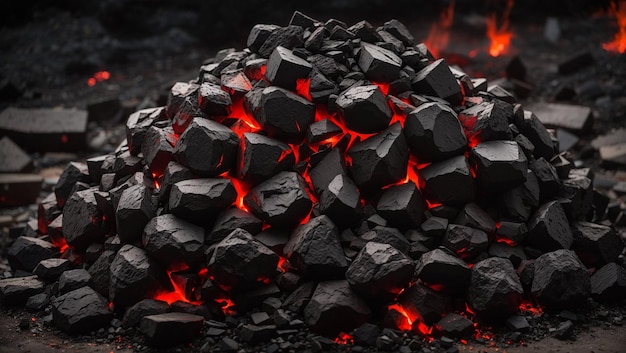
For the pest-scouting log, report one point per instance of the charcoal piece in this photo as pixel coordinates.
(207, 148)
(365, 31)
(500, 165)
(466, 242)
(434, 133)
(134, 276)
(249, 299)
(333, 299)
(449, 181)
(302, 20)
(173, 173)
(17, 290)
(380, 272)
(81, 310)
(487, 121)
(126, 164)
(473, 216)
(25, 253)
(314, 41)
(341, 201)
(282, 201)
(379, 64)
(548, 228)
(340, 33)
(455, 325)
(38, 302)
(380, 160)
(326, 66)
(254, 69)
(254, 334)
(495, 290)
(72, 174)
(12, 158)
(402, 205)
(231, 219)
(437, 80)
(434, 226)
(258, 34)
(387, 235)
(289, 37)
(100, 272)
(398, 30)
(515, 254)
(578, 191)
(321, 88)
(560, 279)
(170, 329)
(47, 211)
(421, 302)
(199, 200)
(537, 133)
(364, 109)
(517, 323)
(236, 83)
(157, 149)
(19, 189)
(284, 114)
(548, 179)
(263, 157)
(239, 262)
(519, 202)
(575, 118)
(514, 232)
(133, 212)
(169, 239)
(51, 269)
(138, 123)
(284, 68)
(314, 249)
(177, 95)
(441, 268)
(596, 244)
(575, 62)
(322, 130)
(609, 282)
(95, 167)
(213, 100)
(45, 130)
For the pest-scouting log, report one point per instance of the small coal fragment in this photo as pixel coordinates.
(560, 279)
(199, 200)
(596, 244)
(341, 201)
(420, 301)
(473, 216)
(548, 228)
(258, 34)
(434, 226)
(72, 174)
(134, 314)
(314, 249)
(322, 130)
(81, 310)
(519, 202)
(169, 239)
(263, 157)
(331, 165)
(254, 334)
(495, 289)
(402, 205)
(487, 121)
(455, 325)
(386, 235)
(282, 201)
(174, 172)
(138, 123)
(434, 133)
(239, 262)
(537, 133)
(170, 329)
(207, 148)
(331, 300)
(547, 177)
(289, 37)
(133, 212)
(364, 109)
(236, 83)
(26, 253)
(437, 80)
(284, 68)
(51, 269)
(134, 276)
(15, 291)
(439, 267)
(466, 242)
(398, 30)
(380, 272)
(380, 160)
(231, 219)
(157, 149)
(100, 272)
(500, 165)
(449, 181)
(74, 279)
(284, 114)
(213, 100)
(564, 330)
(379, 64)
(609, 282)
(515, 254)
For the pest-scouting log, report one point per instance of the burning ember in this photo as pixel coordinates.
(499, 31)
(98, 77)
(439, 33)
(618, 45)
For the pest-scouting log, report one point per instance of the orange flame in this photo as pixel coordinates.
(227, 306)
(618, 45)
(500, 37)
(179, 293)
(302, 88)
(440, 31)
(343, 338)
(528, 307)
(98, 77)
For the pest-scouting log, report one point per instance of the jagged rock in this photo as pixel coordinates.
(438, 267)
(170, 329)
(549, 229)
(560, 279)
(15, 291)
(134, 276)
(364, 101)
(596, 244)
(81, 310)
(495, 289)
(74, 279)
(424, 304)
(27, 252)
(199, 200)
(169, 239)
(146, 307)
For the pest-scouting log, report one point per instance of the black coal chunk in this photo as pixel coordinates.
(560, 279)
(134, 314)
(449, 181)
(81, 310)
(466, 242)
(101, 273)
(284, 114)
(537, 133)
(289, 37)
(500, 165)
(455, 325)
(314, 249)
(82, 220)
(51, 269)
(213, 100)
(157, 149)
(434, 226)
(174, 172)
(437, 80)
(263, 157)
(282, 201)
(515, 254)
(434, 133)
(609, 282)
(380, 272)
(331, 165)
(240, 262)
(379, 64)
(364, 109)
(139, 122)
(380, 160)
(495, 290)
(235, 82)
(169, 239)
(133, 212)
(16, 291)
(207, 148)
(199, 200)
(402, 205)
(519, 202)
(170, 329)
(231, 219)
(254, 334)
(473, 216)
(424, 303)
(322, 130)
(134, 276)
(398, 30)
(74, 279)
(441, 268)
(72, 174)
(596, 244)
(26, 253)
(175, 99)
(547, 177)
(284, 68)
(341, 201)
(332, 300)
(548, 228)
(258, 34)
(487, 121)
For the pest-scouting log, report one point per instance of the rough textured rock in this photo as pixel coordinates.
(402, 205)
(495, 289)
(341, 201)
(359, 102)
(134, 276)
(609, 282)
(231, 219)
(199, 200)
(51, 269)
(284, 68)
(263, 157)
(424, 303)
(284, 114)
(437, 80)
(15, 291)
(72, 174)
(439, 267)
(81, 310)
(100, 272)
(455, 325)
(134, 314)
(596, 244)
(500, 165)
(27, 252)
(549, 229)
(449, 181)
(82, 220)
(171, 240)
(379, 64)
(466, 242)
(170, 329)
(74, 279)
(134, 210)
(560, 279)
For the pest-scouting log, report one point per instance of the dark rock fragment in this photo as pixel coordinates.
(134, 276)
(495, 289)
(170, 329)
(439, 267)
(199, 200)
(284, 68)
(466, 242)
(73, 279)
(263, 157)
(560, 279)
(549, 229)
(133, 212)
(500, 165)
(364, 109)
(449, 181)
(15, 291)
(171, 240)
(146, 307)
(51, 269)
(379, 64)
(26, 253)
(437, 80)
(402, 205)
(81, 310)
(284, 114)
